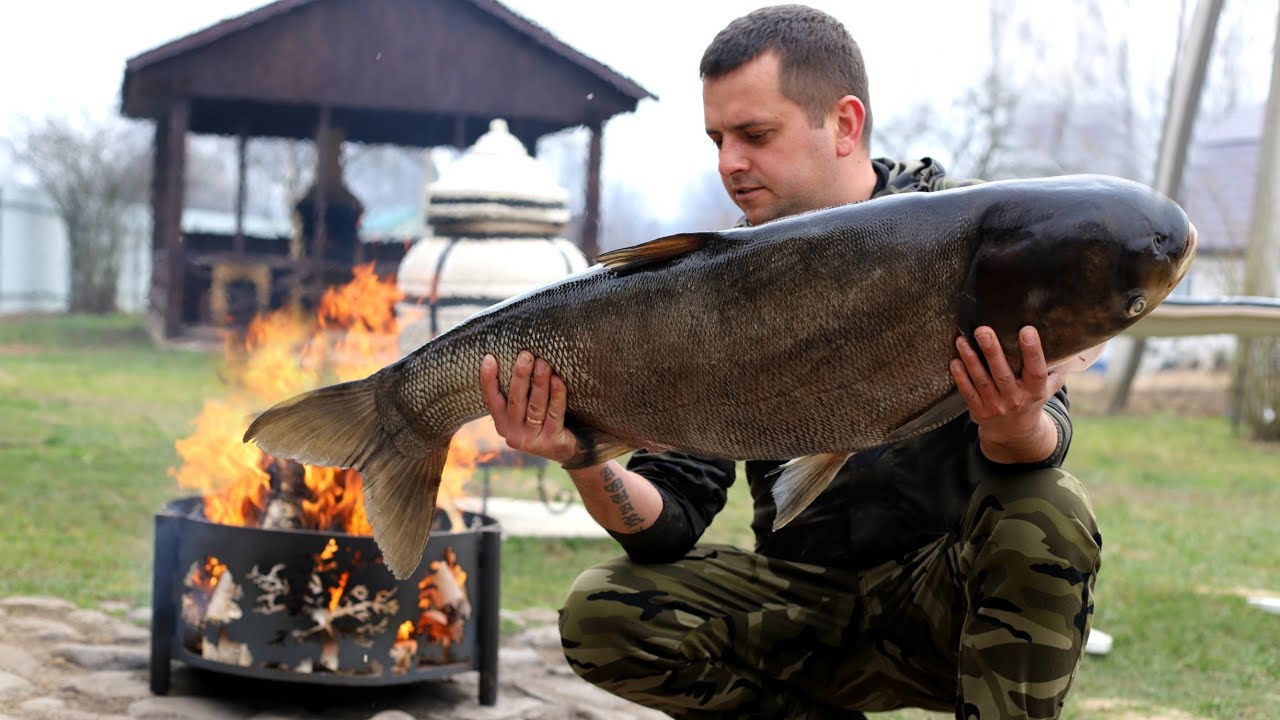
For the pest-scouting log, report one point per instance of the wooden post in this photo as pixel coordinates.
(169, 265)
(460, 132)
(591, 211)
(315, 264)
(156, 302)
(242, 151)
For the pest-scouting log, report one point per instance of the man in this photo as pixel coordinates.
(951, 571)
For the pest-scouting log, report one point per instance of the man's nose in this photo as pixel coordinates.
(733, 158)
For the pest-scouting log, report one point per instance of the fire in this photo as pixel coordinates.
(206, 578)
(339, 494)
(443, 601)
(354, 332)
(335, 592)
(406, 630)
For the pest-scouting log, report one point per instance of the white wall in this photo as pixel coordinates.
(35, 260)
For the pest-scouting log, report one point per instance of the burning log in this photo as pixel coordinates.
(224, 604)
(405, 649)
(446, 607)
(284, 508)
(226, 650)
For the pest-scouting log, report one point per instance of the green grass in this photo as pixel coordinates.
(88, 416)
(1189, 520)
(89, 412)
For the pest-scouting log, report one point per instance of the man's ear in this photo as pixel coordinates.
(849, 115)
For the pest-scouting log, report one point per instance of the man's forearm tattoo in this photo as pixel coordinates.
(618, 494)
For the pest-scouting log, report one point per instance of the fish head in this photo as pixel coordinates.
(1080, 258)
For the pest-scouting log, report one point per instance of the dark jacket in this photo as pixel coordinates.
(884, 503)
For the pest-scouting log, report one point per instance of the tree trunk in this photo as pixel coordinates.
(1258, 359)
(95, 266)
(1186, 86)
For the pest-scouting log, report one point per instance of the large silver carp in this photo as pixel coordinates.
(810, 337)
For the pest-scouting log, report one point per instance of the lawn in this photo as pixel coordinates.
(89, 412)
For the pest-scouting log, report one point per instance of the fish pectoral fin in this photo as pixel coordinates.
(802, 480)
(942, 412)
(655, 252)
(594, 446)
(338, 426)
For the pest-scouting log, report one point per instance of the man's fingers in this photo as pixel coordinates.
(1001, 373)
(974, 369)
(1035, 369)
(518, 393)
(965, 386)
(494, 400)
(555, 414)
(557, 403)
(536, 411)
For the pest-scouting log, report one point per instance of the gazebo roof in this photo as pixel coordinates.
(405, 72)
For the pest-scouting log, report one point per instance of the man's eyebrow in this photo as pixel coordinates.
(740, 127)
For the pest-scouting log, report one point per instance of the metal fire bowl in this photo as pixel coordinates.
(184, 537)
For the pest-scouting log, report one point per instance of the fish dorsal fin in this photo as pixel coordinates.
(655, 252)
(942, 412)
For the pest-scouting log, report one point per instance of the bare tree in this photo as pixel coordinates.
(984, 143)
(92, 173)
(1258, 359)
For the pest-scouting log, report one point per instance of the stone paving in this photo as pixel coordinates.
(61, 662)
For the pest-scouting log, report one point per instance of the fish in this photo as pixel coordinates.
(810, 337)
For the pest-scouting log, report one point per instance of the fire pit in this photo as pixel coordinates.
(320, 607)
(271, 571)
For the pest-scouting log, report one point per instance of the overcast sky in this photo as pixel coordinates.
(67, 56)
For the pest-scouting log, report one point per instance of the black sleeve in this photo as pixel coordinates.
(693, 490)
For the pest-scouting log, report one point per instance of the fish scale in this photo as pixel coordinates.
(811, 337)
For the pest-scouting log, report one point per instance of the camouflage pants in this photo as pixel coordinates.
(989, 621)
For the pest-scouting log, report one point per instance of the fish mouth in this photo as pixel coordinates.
(1184, 262)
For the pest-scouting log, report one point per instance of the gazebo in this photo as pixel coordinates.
(416, 73)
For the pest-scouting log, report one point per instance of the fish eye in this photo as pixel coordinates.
(1135, 305)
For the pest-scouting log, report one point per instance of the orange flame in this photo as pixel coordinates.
(406, 631)
(353, 334)
(206, 577)
(335, 592)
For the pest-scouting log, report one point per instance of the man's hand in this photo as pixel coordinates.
(1009, 410)
(531, 415)
(531, 419)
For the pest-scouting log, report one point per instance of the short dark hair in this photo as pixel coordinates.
(819, 62)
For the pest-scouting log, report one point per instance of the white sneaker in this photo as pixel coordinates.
(1099, 643)
(1269, 604)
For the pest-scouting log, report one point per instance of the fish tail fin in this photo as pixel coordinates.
(400, 497)
(338, 426)
(801, 481)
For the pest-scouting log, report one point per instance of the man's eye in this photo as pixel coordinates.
(757, 136)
